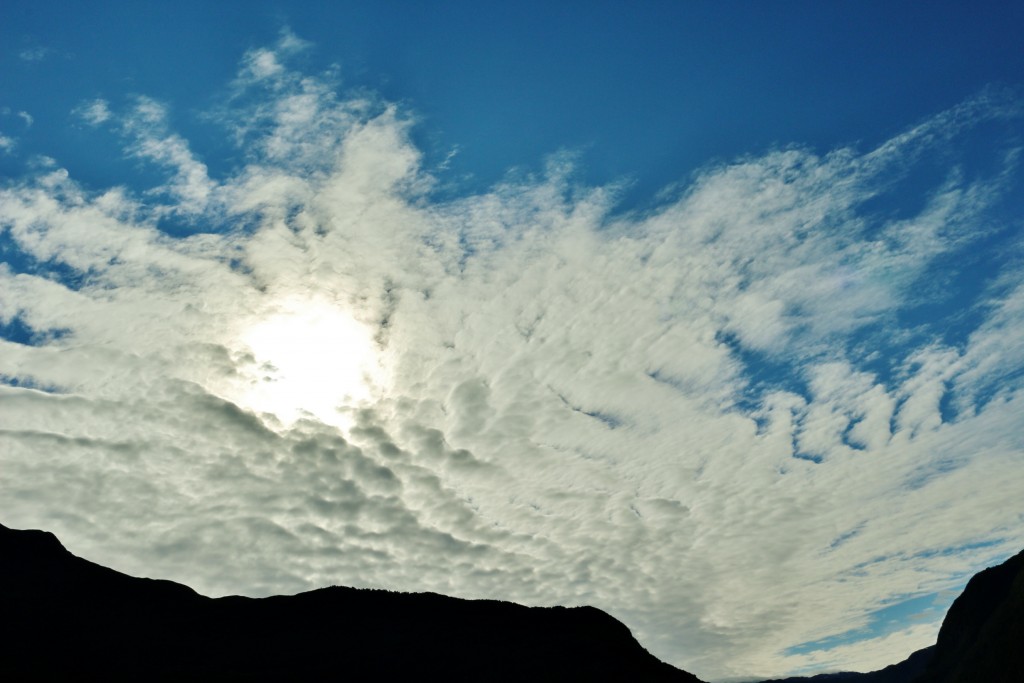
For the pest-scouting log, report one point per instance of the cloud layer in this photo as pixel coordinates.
(745, 420)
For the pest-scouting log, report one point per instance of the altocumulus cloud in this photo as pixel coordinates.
(725, 420)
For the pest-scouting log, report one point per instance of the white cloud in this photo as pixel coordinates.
(567, 406)
(34, 54)
(190, 185)
(94, 112)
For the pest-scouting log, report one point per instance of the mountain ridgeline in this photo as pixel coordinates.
(65, 618)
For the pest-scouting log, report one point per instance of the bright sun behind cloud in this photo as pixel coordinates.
(309, 358)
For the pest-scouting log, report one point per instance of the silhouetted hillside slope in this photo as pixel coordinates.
(981, 639)
(982, 636)
(67, 618)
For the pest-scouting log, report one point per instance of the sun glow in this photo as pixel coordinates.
(310, 358)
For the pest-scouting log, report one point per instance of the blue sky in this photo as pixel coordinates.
(648, 93)
(707, 314)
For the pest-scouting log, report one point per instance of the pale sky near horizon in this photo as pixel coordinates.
(711, 316)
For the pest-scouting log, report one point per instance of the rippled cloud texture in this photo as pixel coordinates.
(746, 422)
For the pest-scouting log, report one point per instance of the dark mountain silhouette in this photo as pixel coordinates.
(981, 639)
(65, 618)
(982, 636)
